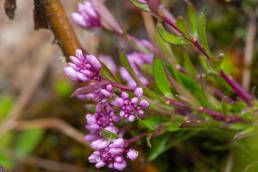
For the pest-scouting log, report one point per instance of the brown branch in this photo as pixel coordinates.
(58, 22)
(52, 123)
(49, 165)
(249, 48)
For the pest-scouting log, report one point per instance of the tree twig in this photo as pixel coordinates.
(43, 163)
(249, 48)
(60, 25)
(52, 123)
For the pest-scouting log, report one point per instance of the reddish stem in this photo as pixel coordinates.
(237, 88)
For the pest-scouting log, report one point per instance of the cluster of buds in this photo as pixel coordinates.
(111, 153)
(110, 109)
(86, 17)
(83, 67)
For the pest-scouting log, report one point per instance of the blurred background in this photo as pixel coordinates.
(33, 85)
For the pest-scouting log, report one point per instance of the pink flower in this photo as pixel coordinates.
(83, 67)
(111, 153)
(130, 107)
(86, 17)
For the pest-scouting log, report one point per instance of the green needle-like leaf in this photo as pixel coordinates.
(202, 33)
(170, 38)
(160, 77)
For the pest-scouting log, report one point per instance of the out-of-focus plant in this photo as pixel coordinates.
(157, 93)
(21, 143)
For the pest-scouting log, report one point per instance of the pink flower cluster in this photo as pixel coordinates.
(86, 17)
(110, 110)
(83, 67)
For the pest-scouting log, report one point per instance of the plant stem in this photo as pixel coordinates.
(237, 88)
(234, 85)
(58, 22)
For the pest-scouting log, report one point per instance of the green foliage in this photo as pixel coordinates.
(192, 16)
(152, 123)
(160, 77)
(108, 135)
(27, 141)
(202, 33)
(170, 38)
(63, 88)
(139, 5)
(6, 102)
(159, 146)
(181, 24)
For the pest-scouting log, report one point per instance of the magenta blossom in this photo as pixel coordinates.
(83, 67)
(130, 107)
(86, 17)
(103, 118)
(111, 153)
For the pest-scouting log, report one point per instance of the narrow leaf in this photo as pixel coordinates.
(181, 24)
(158, 146)
(152, 122)
(160, 77)
(192, 16)
(189, 65)
(108, 135)
(142, 6)
(170, 38)
(202, 33)
(27, 141)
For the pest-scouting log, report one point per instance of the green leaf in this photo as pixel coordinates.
(192, 16)
(158, 146)
(108, 135)
(195, 88)
(152, 122)
(6, 161)
(181, 24)
(189, 65)
(6, 103)
(63, 88)
(164, 142)
(160, 77)
(204, 63)
(170, 38)
(142, 6)
(165, 47)
(174, 125)
(202, 33)
(27, 141)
